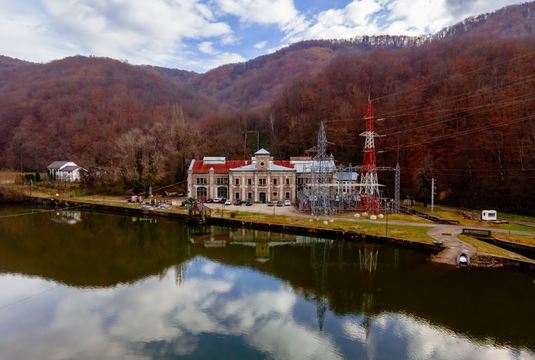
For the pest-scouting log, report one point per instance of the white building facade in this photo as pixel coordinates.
(261, 179)
(64, 171)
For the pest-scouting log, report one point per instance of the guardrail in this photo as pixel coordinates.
(432, 218)
(477, 232)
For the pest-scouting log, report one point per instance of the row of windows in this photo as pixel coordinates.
(261, 195)
(219, 181)
(301, 181)
(202, 193)
(261, 181)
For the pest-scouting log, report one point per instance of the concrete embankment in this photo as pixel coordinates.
(290, 229)
(434, 249)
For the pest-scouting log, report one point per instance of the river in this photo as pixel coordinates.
(85, 285)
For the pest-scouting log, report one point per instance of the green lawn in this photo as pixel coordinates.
(391, 217)
(516, 227)
(486, 248)
(516, 238)
(516, 217)
(409, 233)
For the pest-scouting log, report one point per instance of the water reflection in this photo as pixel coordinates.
(69, 217)
(115, 288)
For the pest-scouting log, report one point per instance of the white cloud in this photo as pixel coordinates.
(282, 13)
(141, 31)
(260, 45)
(115, 323)
(279, 12)
(209, 268)
(207, 47)
(392, 17)
(434, 342)
(222, 59)
(112, 321)
(182, 33)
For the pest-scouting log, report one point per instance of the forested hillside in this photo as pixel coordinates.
(462, 111)
(79, 108)
(458, 106)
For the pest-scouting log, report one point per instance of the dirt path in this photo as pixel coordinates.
(447, 235)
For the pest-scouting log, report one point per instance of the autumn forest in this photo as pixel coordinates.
(458, 106)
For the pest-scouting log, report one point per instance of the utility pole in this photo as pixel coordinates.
(432, 194)
(388, 207)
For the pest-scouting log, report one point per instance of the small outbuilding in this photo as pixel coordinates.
(489, 215)
(64, 171)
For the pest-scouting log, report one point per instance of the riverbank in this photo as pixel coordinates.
(420, 235)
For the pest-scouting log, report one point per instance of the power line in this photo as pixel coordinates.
(462, 96)
(461, 133)
(456, 75)
(41, 211)
(429, 110)
(27, 297)
(447, 118)
(426, 112)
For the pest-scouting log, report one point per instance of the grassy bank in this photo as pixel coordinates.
(10, 194)
(486, 248)
(448, 213)
(407, 233)
(411, 232)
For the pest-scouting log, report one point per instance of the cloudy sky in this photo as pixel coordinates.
(202, 34)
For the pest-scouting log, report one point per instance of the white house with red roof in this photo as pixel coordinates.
(261, 179)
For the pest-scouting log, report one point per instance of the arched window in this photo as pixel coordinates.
(222, 192)
(201, 192)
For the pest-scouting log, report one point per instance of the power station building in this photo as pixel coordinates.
(261, 179)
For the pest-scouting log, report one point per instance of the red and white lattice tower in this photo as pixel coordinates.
(370, 198)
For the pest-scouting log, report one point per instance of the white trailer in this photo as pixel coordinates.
(489, 215)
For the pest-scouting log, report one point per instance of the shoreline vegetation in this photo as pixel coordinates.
(403, 230)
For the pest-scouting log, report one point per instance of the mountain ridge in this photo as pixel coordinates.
(123, 119)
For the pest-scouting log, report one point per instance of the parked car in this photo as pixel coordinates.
(271, 203)
(228, 202)
(222, 200)
(209, 200)
(287, 202)
(249, 202)
(217, 200)
(280, 203)
(237, 202)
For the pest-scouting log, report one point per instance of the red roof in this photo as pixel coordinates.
(285, 163)
(199, 167)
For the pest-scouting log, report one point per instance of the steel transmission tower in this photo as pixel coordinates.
(370, 197)
(320, 192)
